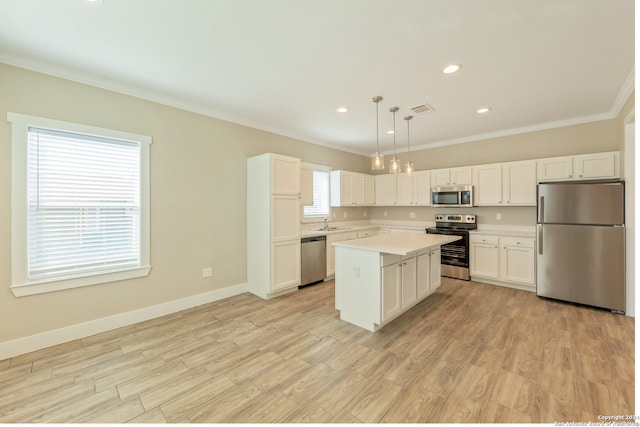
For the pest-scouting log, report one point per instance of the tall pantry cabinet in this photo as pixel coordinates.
(273, 225)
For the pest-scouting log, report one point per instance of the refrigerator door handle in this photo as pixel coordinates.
(540, 239)
(541, 210)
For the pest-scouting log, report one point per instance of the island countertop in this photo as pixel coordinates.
(398, 243)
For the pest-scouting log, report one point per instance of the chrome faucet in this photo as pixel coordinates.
(326, 226)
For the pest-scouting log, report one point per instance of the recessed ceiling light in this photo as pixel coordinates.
(390, 132)
(342, 109)
(450, 69)
(483, 110)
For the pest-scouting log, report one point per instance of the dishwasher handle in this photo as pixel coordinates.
(313, 239)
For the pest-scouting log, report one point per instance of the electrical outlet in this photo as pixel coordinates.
(499, 216)
(385, 213)
(364, 214)
(356, 272)
(412, 215)
(344, 215)
(334, 215)
(207, 272)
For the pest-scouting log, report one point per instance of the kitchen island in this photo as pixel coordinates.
(378, 278)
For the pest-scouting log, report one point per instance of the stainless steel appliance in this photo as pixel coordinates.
(454, 258)
(581, 248)
(313, 259)
(452, 196)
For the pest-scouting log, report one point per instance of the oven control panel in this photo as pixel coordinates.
(457, 218)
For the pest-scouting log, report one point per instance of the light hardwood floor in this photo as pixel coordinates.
(469, 353)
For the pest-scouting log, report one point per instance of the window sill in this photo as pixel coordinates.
(34, 288)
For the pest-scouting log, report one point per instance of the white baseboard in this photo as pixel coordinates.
(82, 330)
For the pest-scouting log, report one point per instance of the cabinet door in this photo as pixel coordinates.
(422, 188)
(391, 291)
(404, 185)
(599, 165)
(484, 259)
(440, 177)
(461, 176)
(346, 186)
(435, 275)
(555, 168)
(519, 183)
(385, 190)
(306, 185)
(517, 261)
(409, 281)
(423, 273)
(487, 180)
(357, 189)
(285, 218)
(285, 175)
(369, 190)
(285, 265)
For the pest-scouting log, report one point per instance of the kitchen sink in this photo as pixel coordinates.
(330, 228)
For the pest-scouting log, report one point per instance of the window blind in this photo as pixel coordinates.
(320, 205)
(83, 203)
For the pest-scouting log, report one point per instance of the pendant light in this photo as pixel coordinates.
(408, 167)
(377, 162)
(394, 164)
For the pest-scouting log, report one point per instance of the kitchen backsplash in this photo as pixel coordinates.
(511, 215)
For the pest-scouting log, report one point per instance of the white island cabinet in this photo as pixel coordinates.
(378, 278)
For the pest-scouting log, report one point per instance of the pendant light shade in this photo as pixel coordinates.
(394, 164)
(408, 166)
(377, 162)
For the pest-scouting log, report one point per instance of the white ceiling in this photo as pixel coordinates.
(286, 65)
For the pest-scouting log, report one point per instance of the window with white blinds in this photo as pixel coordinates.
(320, 207)
(81, 213)
(84, 203)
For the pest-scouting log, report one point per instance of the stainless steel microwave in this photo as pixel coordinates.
(452, 196)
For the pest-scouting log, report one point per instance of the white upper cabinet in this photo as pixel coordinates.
(555, 169)
(349, 189)
(487, 182)
(306, 184)
(404, 190)
(452, 176)
(519, 183)
(597, 166)
(500, 184)
(285, 175)
(385, 190)
(369, 190)
(422, 188)
(580, 167)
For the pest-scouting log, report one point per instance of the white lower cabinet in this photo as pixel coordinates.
(483, 257)
(331, 250)
(284, 270)
(391, 288)
(503, 260)
(409, 283)
(517, 258)
(406, 281)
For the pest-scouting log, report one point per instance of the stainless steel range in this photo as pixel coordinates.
(455, 255)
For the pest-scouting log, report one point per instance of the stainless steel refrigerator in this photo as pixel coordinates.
(580, 243)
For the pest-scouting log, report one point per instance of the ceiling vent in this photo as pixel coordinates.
(422, 109)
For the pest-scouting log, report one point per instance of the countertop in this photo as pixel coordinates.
(399, 243)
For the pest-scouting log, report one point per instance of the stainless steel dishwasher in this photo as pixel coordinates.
(313, 259)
